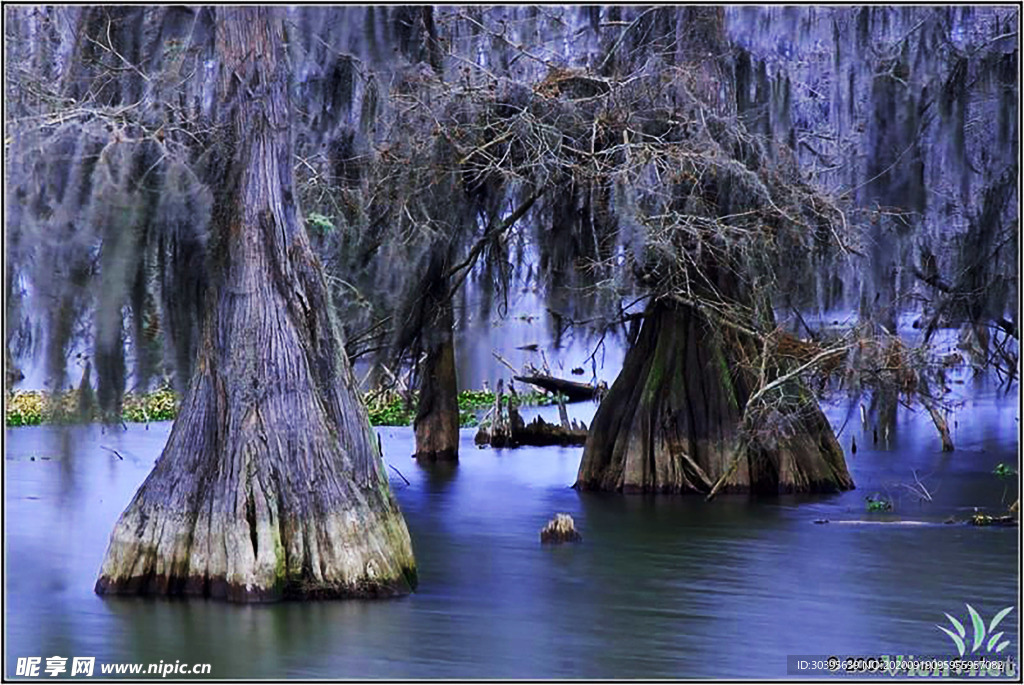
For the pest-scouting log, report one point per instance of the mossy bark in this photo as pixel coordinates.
(270, 485)
(437, 415)
(671, 421)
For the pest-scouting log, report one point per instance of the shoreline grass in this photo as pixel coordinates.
(36, 407)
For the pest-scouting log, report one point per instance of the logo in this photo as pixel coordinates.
(994, 645)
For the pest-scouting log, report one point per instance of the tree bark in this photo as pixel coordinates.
(437, 416)
(671, 421)
(271, 484)
(573, 391)
(940, 425)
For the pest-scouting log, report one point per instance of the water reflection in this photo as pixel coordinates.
(438, 475)
(659, 587)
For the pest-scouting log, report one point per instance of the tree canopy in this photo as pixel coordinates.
(833, 157)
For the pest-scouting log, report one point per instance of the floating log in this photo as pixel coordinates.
(975, 520)
(573, 390)
(986, 520)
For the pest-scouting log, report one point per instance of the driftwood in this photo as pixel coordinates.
(986, 520)
(573, 391)
(1008, 520)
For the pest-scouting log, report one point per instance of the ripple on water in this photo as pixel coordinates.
(659, 587)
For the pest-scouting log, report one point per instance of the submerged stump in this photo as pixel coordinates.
(670, 422)
(560, 529)
(537, 433)
(507, 428)
(540, 433)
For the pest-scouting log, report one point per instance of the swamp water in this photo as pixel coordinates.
(660, 586)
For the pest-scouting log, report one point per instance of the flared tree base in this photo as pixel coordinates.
(670, 422)
(283, 510)
(136, 569)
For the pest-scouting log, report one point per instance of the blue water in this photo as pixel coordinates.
(660, 586)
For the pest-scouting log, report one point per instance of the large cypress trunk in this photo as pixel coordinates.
(437, 415)
(671, 421)
(270, 484)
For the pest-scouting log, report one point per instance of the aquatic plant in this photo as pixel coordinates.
(878, 503)
(1004, 471)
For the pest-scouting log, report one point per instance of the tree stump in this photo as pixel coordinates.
(560, 529)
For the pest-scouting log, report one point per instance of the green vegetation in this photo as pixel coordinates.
(31, 408)
(319, 222)
(475, 399)
(161, 405)
(391, 409)
(878, 503)
(25, 409)
(1003, 471)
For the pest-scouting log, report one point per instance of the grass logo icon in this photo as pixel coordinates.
(994, 645)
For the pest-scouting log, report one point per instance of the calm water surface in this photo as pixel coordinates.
(660, 587)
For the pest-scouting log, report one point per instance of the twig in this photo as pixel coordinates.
(110, 449)
(400, 474)
(622, 37)
(920, 490)
(796, 372)
(504, 361)
(879, 174)
(843, 427)
(800, 318)
(491, 232)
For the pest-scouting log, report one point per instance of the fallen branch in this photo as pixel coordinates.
(505, 362)
(574, 391)
(492, 232)
(918, 488)
(400, 474)
(741, 450)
